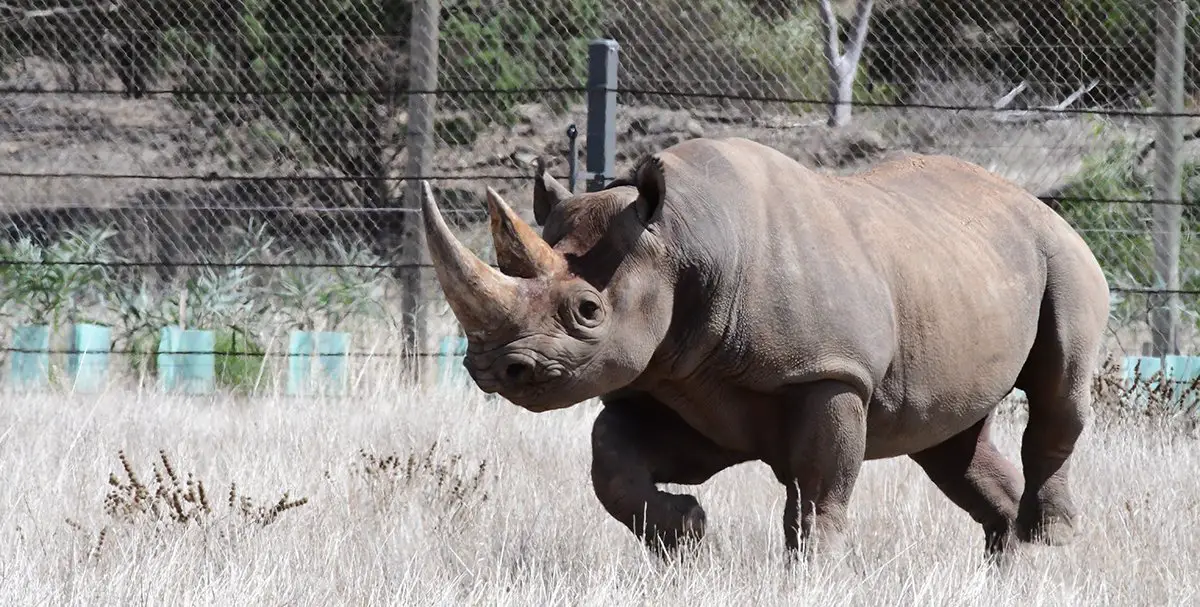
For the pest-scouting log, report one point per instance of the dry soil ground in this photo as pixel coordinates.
(500, 511)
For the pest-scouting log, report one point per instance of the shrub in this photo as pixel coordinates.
(440, 480)
(170, 499)
(45, 287)
(345, 282)
(514, 44)
(240, 359)
(1121, 233)
(1150, 403)
(166, 499)
(1158, 401)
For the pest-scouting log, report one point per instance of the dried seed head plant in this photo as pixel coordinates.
(1155, 401)
(1126, 398)
(130, 501)
(441, 480)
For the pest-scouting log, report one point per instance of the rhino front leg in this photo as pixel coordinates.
(825, 432)
(638, 442)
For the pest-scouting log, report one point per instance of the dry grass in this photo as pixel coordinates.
(410, 497)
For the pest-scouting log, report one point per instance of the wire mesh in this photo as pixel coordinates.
(206, 144)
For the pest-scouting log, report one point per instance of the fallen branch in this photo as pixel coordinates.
(1149, 147)
(13, 13)
(1040, 114)
(1007, 99)
(1076, 95)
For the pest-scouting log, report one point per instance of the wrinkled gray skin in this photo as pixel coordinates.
(728, 304)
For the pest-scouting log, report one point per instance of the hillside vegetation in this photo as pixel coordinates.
(285, 49)
(308, 97)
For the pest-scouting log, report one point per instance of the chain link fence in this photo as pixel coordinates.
(245, 163)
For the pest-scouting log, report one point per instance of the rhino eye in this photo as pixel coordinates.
(587, 313)
(589, 310)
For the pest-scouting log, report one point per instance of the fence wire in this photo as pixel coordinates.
(249, 159)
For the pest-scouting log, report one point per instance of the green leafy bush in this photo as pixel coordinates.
(42, 286)
(240, 360)
(1121, 233)
(511, 45)
(323, 298)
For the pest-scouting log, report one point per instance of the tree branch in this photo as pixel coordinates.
(833, 55)
(862, 23)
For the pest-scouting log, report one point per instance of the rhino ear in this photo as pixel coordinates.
(547, 193)
(652, 189)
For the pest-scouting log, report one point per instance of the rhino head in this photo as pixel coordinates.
(573, 313)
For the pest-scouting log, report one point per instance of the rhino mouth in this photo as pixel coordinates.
(536, 399)
(522, 376)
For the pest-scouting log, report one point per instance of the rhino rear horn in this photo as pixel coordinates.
(481, 297)
(547, 193)
(520, 252)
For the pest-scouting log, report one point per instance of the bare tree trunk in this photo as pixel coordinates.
(843, 66)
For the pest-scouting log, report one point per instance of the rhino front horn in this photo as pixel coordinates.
(520, 251)
(481, 297)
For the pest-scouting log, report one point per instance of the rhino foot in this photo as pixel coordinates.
(680, 521)
(637, 443)
(1046, 528)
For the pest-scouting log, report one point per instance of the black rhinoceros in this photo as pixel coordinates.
(727, 304)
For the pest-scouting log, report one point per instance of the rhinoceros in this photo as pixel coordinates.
(727, 304)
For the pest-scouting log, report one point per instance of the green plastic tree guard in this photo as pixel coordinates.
(451, 350)
(87, 362)
(330, 348)
(30, 357)
(186, 362)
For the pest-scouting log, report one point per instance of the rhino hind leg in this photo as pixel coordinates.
(977, 478)
(1047, 512)
(1057, 380)
(637, 442)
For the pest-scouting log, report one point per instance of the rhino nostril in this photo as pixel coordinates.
(517, 371)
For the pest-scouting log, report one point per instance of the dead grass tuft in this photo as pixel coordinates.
(166, 499)
(441, 480)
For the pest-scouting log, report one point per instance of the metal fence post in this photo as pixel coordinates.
(1168, 173)
(423, 67)
(602, 112)
(572, 156)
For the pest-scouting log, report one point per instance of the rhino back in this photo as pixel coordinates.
(919, 281)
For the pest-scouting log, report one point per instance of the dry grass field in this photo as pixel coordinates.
(400, 496)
